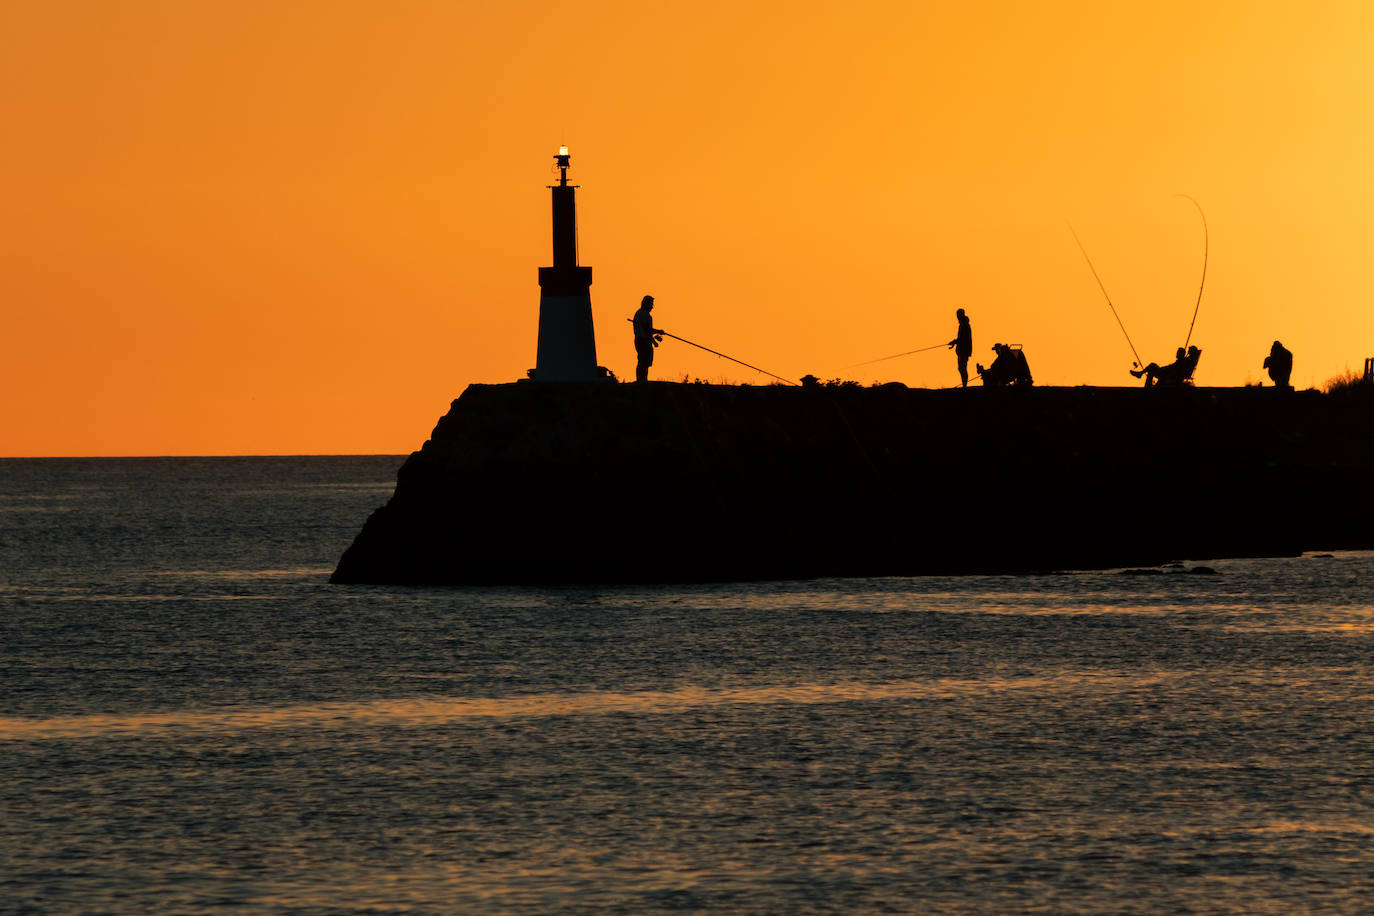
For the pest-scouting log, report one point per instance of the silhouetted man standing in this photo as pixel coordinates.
(1279, 362)
(963, 346)
(646, 338)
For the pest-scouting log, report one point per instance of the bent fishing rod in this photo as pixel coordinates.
(1138, 363)
(720, 354)
(1206, 244)
(883, 359)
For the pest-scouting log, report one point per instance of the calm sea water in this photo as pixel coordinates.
(193, 719)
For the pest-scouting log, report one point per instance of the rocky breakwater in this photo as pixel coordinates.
(666, 482)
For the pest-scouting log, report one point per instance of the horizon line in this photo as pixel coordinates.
(230, 455)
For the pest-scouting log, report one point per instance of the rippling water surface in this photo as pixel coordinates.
(192, 718)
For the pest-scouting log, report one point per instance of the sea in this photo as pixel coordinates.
(192, 719)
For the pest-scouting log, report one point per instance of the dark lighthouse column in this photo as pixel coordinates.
(567, 342)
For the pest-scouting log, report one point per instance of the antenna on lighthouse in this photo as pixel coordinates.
(563, 159)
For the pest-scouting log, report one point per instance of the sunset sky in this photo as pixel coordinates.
(288, 227)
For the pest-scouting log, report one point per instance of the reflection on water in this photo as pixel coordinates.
(252, 575)
(191, 718)
(430, 711)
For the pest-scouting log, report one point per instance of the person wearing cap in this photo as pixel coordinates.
(1009, 368)
(646, 338)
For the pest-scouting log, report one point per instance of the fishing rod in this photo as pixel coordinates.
(882, 359)
(720, 354)
(1206, 243)
(1100, 286)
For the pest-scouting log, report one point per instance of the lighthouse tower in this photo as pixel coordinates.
(567, 342)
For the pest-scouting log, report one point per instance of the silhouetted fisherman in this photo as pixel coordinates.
(646, 338)
(1279, 362)
(1153, 373)
(1009, 368)
(963, 345)
(1177, 372)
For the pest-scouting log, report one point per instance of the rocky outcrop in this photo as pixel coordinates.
(658, 482)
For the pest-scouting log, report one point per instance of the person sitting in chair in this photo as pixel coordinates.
(1009, 368)
(1178, 372)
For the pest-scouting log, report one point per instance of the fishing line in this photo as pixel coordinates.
(894, 356)
(721, 355)
(1100, 286)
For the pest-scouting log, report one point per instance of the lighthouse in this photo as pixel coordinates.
(567, 341)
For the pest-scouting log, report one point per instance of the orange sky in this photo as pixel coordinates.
(303, 227)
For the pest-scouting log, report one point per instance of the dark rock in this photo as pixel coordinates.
(655, 482)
